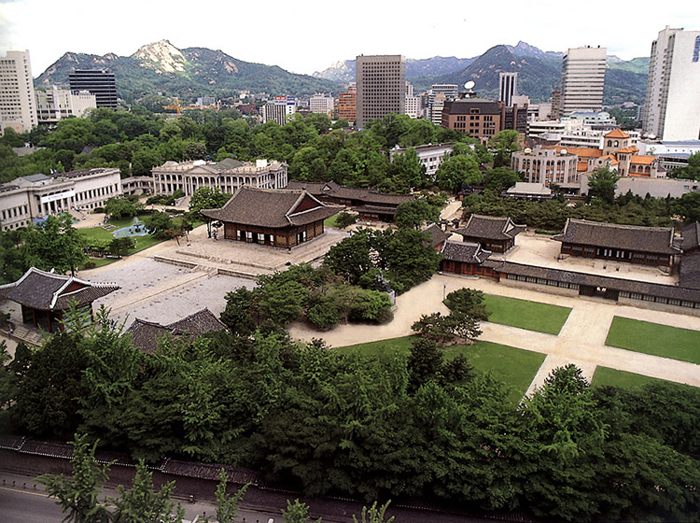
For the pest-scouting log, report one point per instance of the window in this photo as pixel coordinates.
(696, 51)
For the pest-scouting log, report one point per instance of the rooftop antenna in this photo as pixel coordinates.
(468, 87)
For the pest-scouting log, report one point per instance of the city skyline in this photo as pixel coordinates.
(302, 30)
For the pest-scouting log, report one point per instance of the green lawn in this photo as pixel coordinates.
(515, 367)
(331, 221)
(605, 376)
(99, 262)
(652, 338)
(530, 315)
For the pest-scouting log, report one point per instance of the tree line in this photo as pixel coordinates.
(393, 424)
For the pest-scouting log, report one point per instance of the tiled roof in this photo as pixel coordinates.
(583, 152)
(691, 236)
(690, 271)
(630, 237)
(631, 149)
(437, 235)
(333, 190)
(464, 252)
(617, 133)
(490, 227)
(145, 334)
(644, 160)
(271, 208)
(43, 290)
(582, 278)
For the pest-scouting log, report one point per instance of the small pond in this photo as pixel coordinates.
(136, 229)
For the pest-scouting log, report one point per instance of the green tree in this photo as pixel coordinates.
(297, 512)
(374, 514)
(195, 150)
(237, 315)
(121, 246)
(54, 244)
(227, 506)
(500, 178)
(691, 171)
(158, 224)
(456, 171)
(505, 143)
(415, 213)
(602, 184)
(467, 301)
(142, 504)
(206, 198)
(350, 258)
(407, 171)
(78, 495)
(687, 206)
(120, 207)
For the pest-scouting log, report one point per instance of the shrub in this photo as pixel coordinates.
(324, 316)
(345, 219)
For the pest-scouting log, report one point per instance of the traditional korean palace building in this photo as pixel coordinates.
(628, 243)
(45, 296)
(370, 204)
(146, 334)
(228, 176)
(494, 233)
(276, 218)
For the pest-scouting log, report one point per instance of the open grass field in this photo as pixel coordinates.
(626, 380)
(529, 315)
(652, 338)
(515, 367)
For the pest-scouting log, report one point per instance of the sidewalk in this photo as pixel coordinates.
(581, 340)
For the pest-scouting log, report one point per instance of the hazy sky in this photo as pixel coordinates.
(309, 35)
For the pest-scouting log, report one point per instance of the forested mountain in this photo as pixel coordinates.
(539, 72)
(162, 67)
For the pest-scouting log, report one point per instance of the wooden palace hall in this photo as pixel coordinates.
(45, 297)
(279, 218)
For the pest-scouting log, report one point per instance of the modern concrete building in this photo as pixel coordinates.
(582, 79)
(56, 104)
(36, 196)
(347, 105)
(478, 117)
(321, 104)
(431, 155)
(17, 98)
(279, 110)
(228, 176)
(437, 96)
(672, 107)
(413, 103)
(100, 82)
(381, 86)
(507, 87)
(546, 165)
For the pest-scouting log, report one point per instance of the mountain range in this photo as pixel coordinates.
(161, 67)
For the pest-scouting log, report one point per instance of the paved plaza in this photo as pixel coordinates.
(199, 272)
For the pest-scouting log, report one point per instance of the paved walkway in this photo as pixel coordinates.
(581, 340)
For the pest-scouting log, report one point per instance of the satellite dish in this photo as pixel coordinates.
(469, 85)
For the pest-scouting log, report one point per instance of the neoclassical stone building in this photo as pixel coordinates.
(228, 176)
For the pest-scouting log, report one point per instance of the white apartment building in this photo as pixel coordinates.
(321, 104)
(413, 106)
(582, 79)
(228, 176)
(437, 96)
(17, 98)
(279, 110)
(38, 195)
(431, 155)
(546, 165)
(507, 88)
(57, 104)
(672, 107)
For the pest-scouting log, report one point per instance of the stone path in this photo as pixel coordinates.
(581, 340)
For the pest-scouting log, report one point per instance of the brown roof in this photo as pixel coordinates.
(464, 252)
(145, 334)
(582, 278)
(437, 235)
(48, 291)
(690, 271)
(617, 133)
(272, 208)
(630, 237)
(490, 227)
(691, 236)
(334, 190)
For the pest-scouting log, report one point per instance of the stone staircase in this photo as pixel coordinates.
(29, 336)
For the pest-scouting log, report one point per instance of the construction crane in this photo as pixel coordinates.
(175, 107)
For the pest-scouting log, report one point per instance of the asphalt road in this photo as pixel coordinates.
(22, 500)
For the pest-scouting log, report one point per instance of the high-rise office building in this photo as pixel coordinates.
(56, 104)
(99, 82)
(672, 107)
(17, 98)
(437, 96)
(381, 86)
(507, 87)
(347, 104)
(583, 79)
(279, 110)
